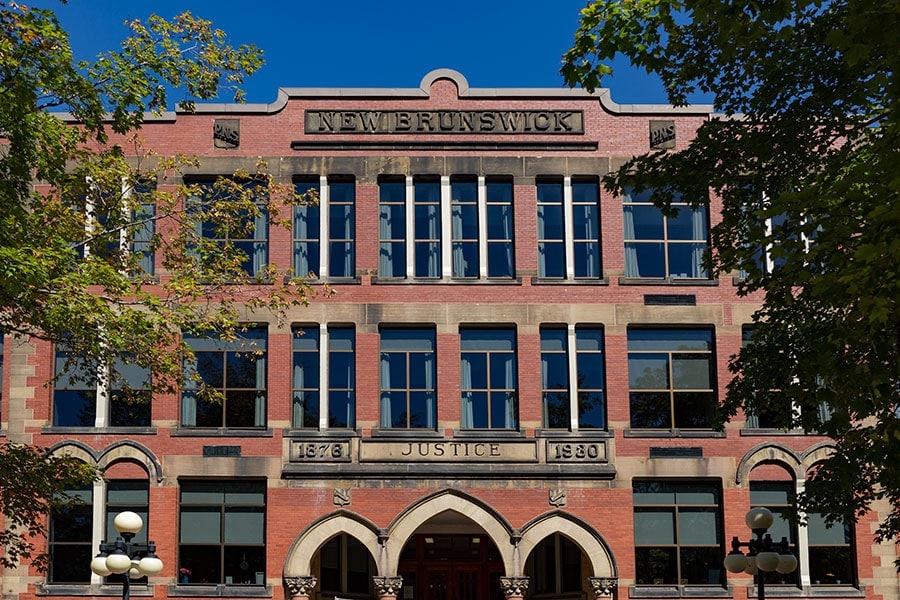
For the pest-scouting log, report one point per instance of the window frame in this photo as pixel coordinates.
(406, 346)
(489, 348)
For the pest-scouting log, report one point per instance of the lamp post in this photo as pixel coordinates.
(762, 553)
(123, 557)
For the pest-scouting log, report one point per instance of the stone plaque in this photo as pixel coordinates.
(563, 451)
(445, 121)
(320, 451)
(227, 133)
(662, 135)
(448, 451)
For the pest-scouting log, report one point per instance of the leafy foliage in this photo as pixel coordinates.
(805, 156)
(84, 204)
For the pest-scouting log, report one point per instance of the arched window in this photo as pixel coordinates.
(345, 567)
(555, 567)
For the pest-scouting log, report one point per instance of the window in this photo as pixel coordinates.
(489, 377)
(337, 200)
(122, 495)
(93, 396)
(309, 370)
(831, 559)
(555, 566)
(391, 228)
(568, 228)
(143, 218)
(660, 246)
(474, 239)
(671, 378)
(778, 497)
(678, 533)
(558, 371)
(225, 383)
(408, 374)
(222, 532)
(346, 567)
(244, 234)
(464, 213)
(70, 539)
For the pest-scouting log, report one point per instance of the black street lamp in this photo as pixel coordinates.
(762, 553)
(123, 557)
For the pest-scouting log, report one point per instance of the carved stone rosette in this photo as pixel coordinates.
(387, 586)
(603, 586)
(300, 587)
(514, 587)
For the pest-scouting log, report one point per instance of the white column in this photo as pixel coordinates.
(324, 228)
(482, 229)
(98, 516)
(803, 542)
(568, 230)
(572, 361)
(446, 230)
(323, 376)
(410, 228)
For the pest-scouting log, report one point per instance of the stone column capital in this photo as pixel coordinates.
(514, 587)
(300, 587)
(388, 586)
(603, 586)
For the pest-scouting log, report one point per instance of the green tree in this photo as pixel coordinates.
(805, 156)
(80, 211)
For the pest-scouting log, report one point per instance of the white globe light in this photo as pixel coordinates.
(134, 572)
(150, 565)
(118, 562)
(751, 566)
(128, 522)
(786, 563)
(767, 561)
(759, 518)
(98, 566)
(735, 562)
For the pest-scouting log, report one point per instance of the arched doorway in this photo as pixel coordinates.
(449, 557)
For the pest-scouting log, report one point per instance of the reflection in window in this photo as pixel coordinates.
(337, 200)
(225, 383)
(488, 371)
(408, 374)
(678, 533)
(671, 378)
(551, 228)
(568, 228)
(554, 566)
(831, 559)
(70, 539)
(778, 497)
(122, 495)
(427, 227)
(222, 532)
(660, 246)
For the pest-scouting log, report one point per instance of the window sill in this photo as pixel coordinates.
(407, 433)
(813, 591)
(86, 589)
(456, 281)
(487, 434)
(673, 281)
(576, 434)
(326, 280)
(680, 591)
(564, 281)
(771, 431)
(62, 429)
(324, 434)
(219, 432)
(201, 590)
(672, 433)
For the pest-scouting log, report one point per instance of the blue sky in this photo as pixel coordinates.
(385, 43)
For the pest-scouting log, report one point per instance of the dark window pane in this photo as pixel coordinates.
(650, 410)
(694, 410)
(655, 566)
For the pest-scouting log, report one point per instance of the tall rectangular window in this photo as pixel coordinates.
(661, 246)
(551, 229)
(225, 383)
(341, 377)
(427, 227)
(129, 395)
(70, 538)
(408, 378)
(489, 378)
(143, 218)
(464, 227)
(392, 228)
(341, 227)
(308, 395)
(831, 559)
(132, 495)
(671, 378)
(245, 233)
(778, 496)
(586, 228)
(74, 392)
(500, 229)
(678, 533)
(222, 532)
(307, 230)
(559, 368)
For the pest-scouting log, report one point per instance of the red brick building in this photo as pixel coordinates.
(510, 393)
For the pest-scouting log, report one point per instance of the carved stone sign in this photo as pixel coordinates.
(662, 135)
(448, 451)
(227, 133)
(445, 121)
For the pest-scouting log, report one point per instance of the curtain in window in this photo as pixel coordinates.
(510, 384)
(385, 253)
(507, 225)
(429, 385)
(698, 226)
(260, 256)
(386, 420)
(189, 396)
(342, 244)
(456, 233)
(631, 257)
(468, 411)
(259, 416)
